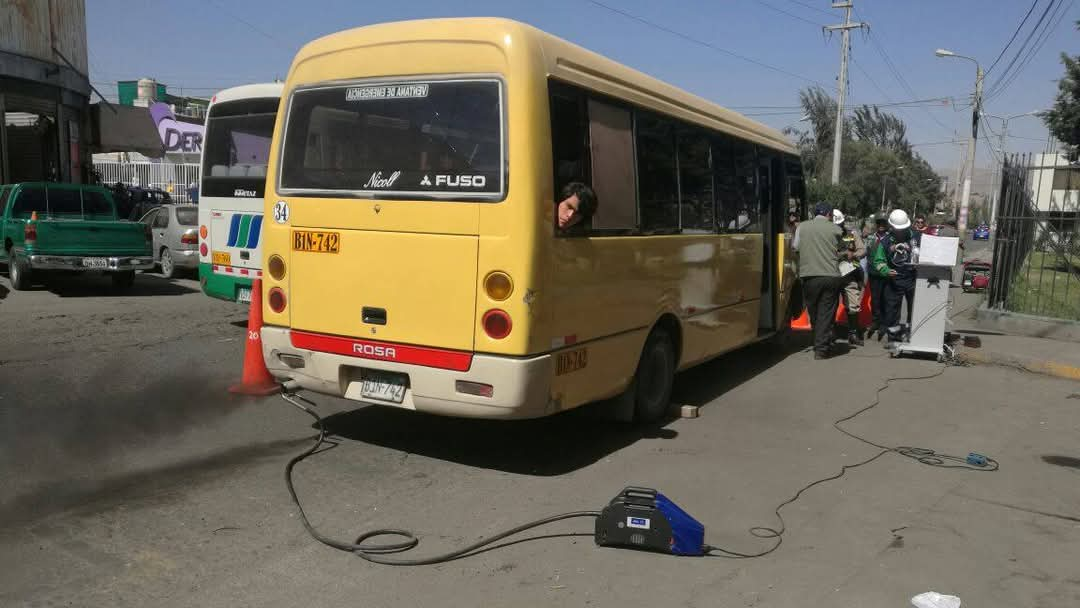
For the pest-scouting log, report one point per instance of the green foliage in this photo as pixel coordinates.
(1063, 119)
(875, 156)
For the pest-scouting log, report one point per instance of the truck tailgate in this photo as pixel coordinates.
(96, 237)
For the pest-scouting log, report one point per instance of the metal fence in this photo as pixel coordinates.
(1036, 264)
(174, 178)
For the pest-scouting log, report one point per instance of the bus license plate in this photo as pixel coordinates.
(383, 387)
(95, 263)
(222, 258)
(318, 242)
(243, 295)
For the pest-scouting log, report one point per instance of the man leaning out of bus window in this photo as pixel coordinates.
(578, 203)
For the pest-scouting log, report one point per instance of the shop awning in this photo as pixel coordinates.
(118, 128)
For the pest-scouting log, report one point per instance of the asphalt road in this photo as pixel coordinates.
(129, 478)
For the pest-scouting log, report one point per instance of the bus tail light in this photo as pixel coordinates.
(203, 231)
(276, 299)
(498, 286)
(474, 388)
(203, 250)
(276, 267)
(497, 324)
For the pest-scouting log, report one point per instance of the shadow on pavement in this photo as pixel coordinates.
(99, 285)
(547, 446)
(550, 446)
(704, 383)
(3, 292)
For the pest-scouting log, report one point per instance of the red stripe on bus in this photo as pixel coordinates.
(243, 271)
(454, 360)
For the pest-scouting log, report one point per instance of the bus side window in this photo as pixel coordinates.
(697, 213)
(727, 190)
(569, 137)
(745, 218)
(658, 190)
(611, 138)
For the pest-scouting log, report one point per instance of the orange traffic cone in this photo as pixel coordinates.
(256, 380)
(802, 323)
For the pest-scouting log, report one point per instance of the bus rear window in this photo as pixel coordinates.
(423, 140)
(237, 147)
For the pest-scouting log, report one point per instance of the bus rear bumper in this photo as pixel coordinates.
(520, 386)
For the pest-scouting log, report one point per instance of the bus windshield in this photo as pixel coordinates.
(237, 147)
(422, 140)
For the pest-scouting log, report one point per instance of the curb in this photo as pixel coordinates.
(1035, 366)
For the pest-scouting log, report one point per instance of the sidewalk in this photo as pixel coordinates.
(1036, 355)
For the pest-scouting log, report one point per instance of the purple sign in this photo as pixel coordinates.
(177, 137)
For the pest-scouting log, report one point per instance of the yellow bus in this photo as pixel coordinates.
(414, 259)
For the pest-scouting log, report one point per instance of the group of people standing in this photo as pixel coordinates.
(835, 260)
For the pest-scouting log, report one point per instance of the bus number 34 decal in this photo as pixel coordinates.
(571, 361)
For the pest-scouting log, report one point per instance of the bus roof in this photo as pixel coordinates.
(563, 60)
(250, 91)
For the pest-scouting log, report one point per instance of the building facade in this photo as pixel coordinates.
(44, 91)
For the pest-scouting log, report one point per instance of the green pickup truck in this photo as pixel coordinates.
(49, 227)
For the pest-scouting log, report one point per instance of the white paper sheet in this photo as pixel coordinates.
(938, 250)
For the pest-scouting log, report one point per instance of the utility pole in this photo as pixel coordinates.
(845, 47)
(976, 109)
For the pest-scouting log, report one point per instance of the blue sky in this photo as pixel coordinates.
(204, 45)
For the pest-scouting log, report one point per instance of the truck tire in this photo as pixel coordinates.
(18, 272)
(654, 378)
(123, 280)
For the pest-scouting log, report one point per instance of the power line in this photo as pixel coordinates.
(703, 43)
(792, 15)
(897, 75)
(249, 24)
(1023, 47)
(1007, 44)
(812, 7)
(1051, 26)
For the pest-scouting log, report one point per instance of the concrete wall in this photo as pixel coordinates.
(33, 27)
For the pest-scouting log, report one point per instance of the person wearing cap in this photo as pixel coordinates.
(818, 243)
(877, 282)
(894, 260)
(851, 252)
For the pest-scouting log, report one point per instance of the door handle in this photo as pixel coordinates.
(375, 316)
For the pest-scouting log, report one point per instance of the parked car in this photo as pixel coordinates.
(175, 230)
(981, 233)
(145, 199)
(73, 227)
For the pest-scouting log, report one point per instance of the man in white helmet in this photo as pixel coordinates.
(894, 260)
(852, 250)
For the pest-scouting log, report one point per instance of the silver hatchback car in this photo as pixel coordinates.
(175, 229)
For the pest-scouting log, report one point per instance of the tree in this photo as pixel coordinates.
(876, 157)
(1063, 119)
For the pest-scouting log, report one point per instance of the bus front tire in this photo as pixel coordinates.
(655, 376)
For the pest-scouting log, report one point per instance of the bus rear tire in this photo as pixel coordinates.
(654, 378)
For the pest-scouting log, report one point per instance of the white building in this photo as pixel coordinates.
(1054, 184)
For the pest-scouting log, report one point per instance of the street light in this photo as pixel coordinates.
(995, 185)
(976, 107)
